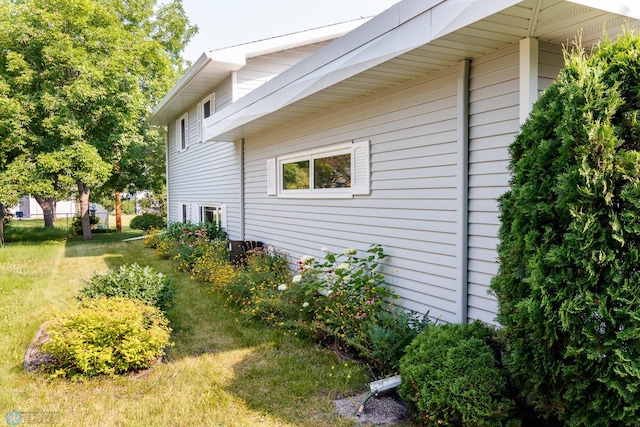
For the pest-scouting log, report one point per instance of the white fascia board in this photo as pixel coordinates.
(401, 28)
(629, 8)
(455, 14)
(294, 40)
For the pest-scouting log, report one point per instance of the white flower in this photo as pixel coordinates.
(297, 278)
(343, 266)
(305, 304)
(282, 287)
(350, 251)
(324, 249)
(307, 259)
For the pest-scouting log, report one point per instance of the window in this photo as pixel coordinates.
(182, 132)
(205, 109)
(215, 213)
(185, 218)
(336, 171)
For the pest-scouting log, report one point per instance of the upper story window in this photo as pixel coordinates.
(205, 109)
(182, 132)
(336, 171)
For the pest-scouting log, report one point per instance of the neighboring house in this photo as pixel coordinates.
(396, 133)
(28, 208)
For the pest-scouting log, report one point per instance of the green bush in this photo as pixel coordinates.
(132, 281)
(106, 336)
(451, 375)
(390, 335)
(147, 222)
(568, 281)
(76, 224)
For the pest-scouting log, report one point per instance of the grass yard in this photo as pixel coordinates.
(221, 372)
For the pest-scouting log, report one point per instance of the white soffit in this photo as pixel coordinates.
(629, 8)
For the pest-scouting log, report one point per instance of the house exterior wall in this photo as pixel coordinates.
(493, 124)
(412, 208)
(203, 174)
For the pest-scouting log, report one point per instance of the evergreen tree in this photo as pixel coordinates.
(568, 285)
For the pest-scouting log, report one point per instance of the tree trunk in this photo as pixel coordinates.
(2, 208)
(83, 191)
(48, 208)
(118, 213)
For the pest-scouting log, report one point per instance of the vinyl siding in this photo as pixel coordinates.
(411, 211)
(261, 69)
(550, 62)
(493, 124)
(204, 173)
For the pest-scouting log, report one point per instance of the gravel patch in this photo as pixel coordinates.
(382, 410)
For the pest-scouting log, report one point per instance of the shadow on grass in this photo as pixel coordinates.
(100, 244)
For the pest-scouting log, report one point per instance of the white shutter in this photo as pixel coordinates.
(178, 135)
(360, 168)
(272, 181)
(194, 213)
(223, 217)
(200, 112)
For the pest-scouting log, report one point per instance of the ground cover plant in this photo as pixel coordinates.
(221, 370)
(568, 285)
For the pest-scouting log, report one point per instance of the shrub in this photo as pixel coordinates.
(567, 284)
(389, 337)
(451, 376)
(106, 336)
(132, 281)
(76, 224)
(147, 222)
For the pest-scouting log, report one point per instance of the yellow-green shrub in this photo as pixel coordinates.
(106, 336)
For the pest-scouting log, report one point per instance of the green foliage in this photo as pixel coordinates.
(132, 281)
(568, 285)
(451, 375)
(76, 224)
(148, 222)
(77, 80)
(392, 333)
(106, 336)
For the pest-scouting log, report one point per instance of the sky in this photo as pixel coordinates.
(224, 23)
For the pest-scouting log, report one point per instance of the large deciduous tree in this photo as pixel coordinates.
(568, 285)
(85, 74)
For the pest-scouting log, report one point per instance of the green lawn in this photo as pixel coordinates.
(221, 372)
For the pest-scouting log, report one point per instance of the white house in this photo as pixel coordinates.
(395, 133)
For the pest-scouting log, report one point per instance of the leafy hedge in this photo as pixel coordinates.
(147, 222)
(106, 336)
(568, 285)
(132, 281)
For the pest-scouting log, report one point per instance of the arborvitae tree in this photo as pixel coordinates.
(568, 285)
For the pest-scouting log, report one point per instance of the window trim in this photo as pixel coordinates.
(182, 134)
(360, 161)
